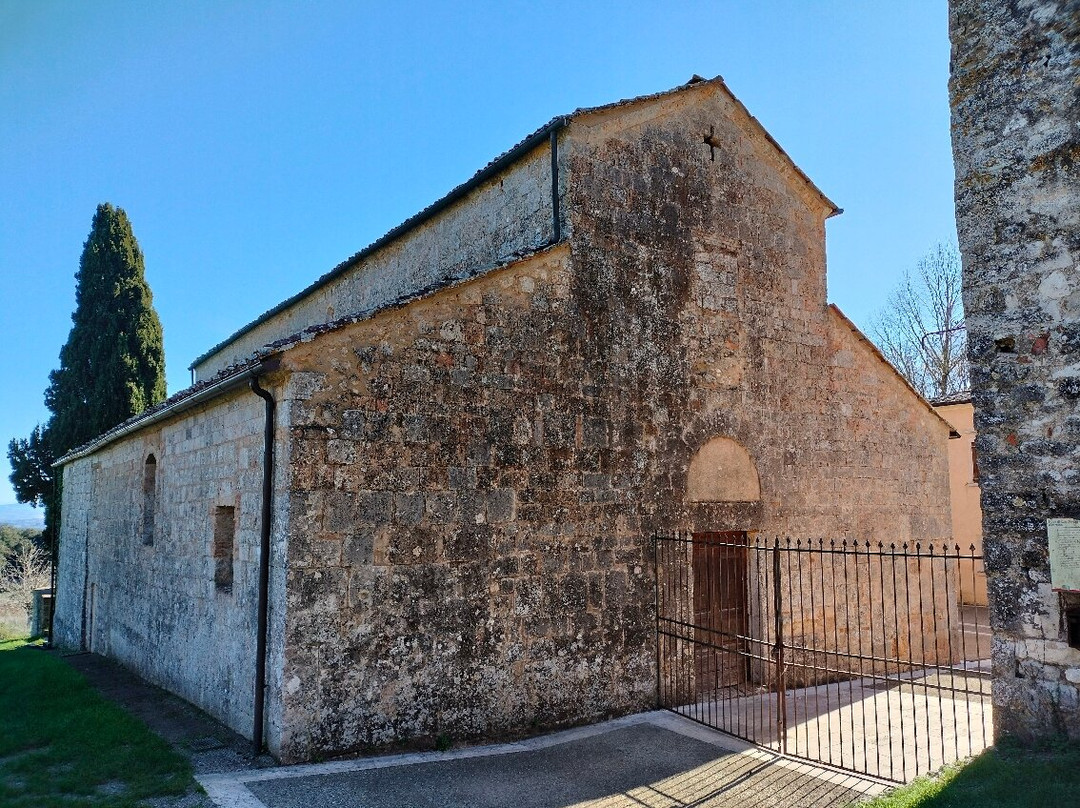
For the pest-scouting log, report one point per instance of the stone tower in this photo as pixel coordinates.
(1015, 97)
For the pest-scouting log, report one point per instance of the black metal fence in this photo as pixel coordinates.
(860, 657)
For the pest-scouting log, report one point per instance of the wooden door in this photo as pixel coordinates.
(721, 619)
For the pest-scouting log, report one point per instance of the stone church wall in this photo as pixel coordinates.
(476, 477)
(1015, 107)
(468, 484)
(457, 560)
(69, 617)
(151, 594)
(701, 277)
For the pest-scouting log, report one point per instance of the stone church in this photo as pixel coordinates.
(417, 498)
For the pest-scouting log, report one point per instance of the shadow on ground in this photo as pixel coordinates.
(642, 766)
(210, 746)
(656, 760)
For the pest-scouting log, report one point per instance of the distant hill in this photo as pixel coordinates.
(22, 516)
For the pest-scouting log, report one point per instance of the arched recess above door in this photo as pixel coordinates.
(722, 471)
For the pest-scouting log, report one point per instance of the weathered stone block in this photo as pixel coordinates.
(339, 511)
(501, 505)
(358, 549)
(443, 507)
(374, 507)
(469, 543)
(341, 452)
(409, 509)
(461, 478)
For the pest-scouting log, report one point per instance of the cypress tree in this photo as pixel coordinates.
(111, 367)
(113, 363)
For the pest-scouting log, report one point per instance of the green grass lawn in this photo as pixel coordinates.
(1007, 776)
(61, 744)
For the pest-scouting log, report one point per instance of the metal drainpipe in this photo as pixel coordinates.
(257, 739)
(556, 224)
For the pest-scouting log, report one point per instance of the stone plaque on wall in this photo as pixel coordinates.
(1064, 536)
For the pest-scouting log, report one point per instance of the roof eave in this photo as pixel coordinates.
(181, 402)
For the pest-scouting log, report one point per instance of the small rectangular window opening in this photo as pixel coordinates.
(974, 464)
(224, 550)
(1072, 625)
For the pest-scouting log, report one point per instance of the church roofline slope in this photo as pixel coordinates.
(492, 169)
(267, 359)
(843, 318)
(229, 379)
(958, 397)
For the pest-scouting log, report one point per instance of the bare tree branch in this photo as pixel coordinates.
(920, 330)
(27, 569)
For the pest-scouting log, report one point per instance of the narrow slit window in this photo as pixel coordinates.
(149, 491)
(974, 464)
(224, 539)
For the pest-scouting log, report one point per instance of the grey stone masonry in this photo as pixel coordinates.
(1016, 111)
(141, 587)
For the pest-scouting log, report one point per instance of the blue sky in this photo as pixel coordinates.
(256, 145)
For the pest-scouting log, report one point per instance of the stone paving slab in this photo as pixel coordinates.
(653, 760)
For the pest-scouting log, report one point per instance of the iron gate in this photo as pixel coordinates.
(859, 657)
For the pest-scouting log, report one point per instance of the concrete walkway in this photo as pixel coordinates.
(652, 760)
